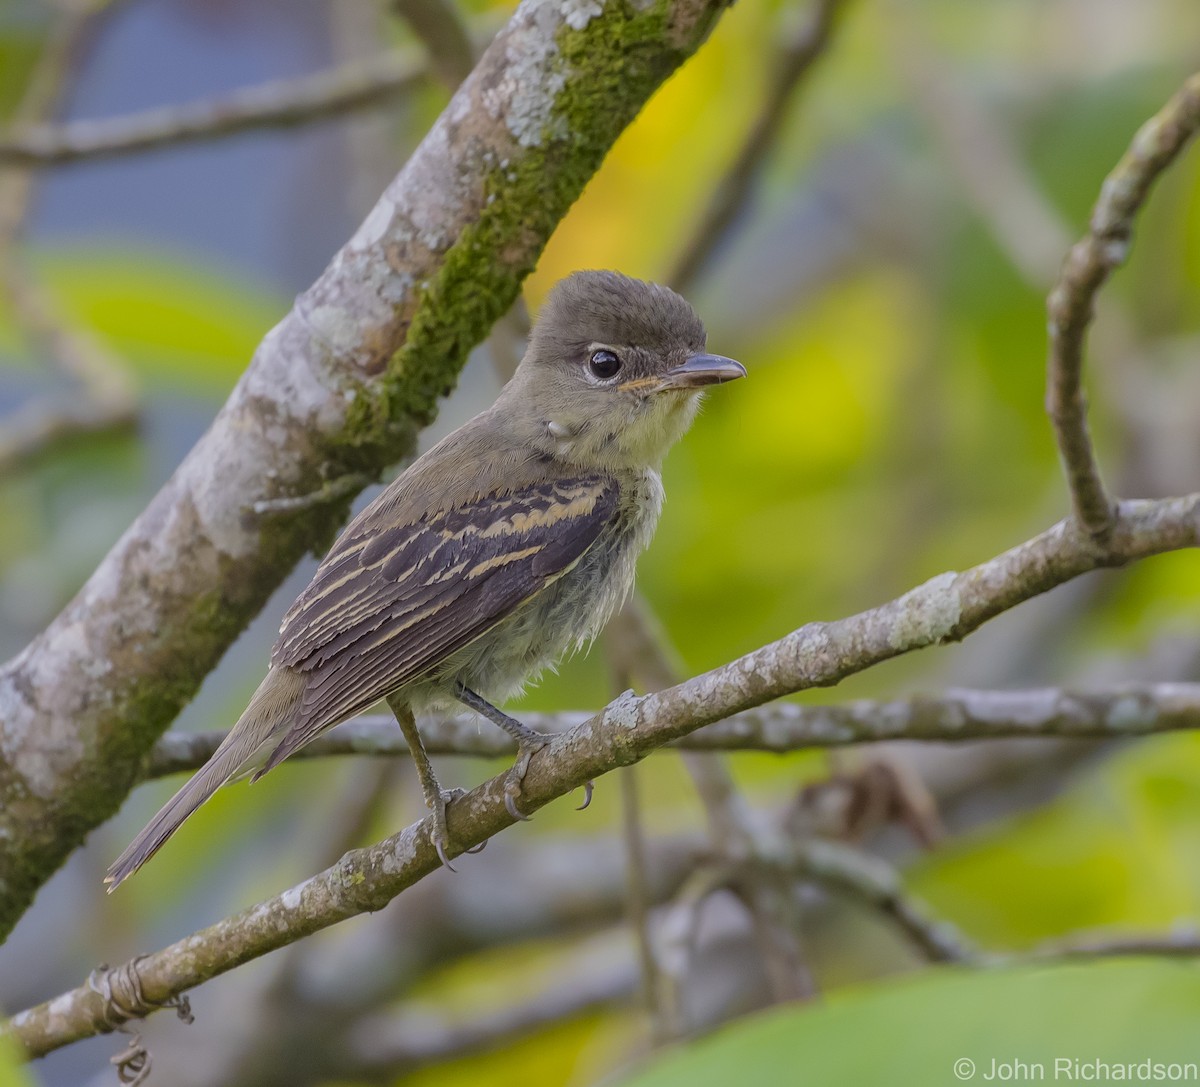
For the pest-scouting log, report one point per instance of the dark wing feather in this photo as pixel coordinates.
(389, 604)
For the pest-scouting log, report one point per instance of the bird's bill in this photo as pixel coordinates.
(702, 370)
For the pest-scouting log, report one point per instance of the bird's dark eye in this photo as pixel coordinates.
(604, 364)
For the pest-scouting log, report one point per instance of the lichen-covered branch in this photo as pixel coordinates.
(339, 386)
(1090, 262)
(820, 654)
(279, 104)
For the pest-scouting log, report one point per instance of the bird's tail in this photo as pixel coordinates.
(264, 719)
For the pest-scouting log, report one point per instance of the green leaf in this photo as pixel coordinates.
(913, 1031)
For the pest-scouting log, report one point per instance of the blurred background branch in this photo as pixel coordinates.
(278, 104)
(1136, 709)
(803, 43)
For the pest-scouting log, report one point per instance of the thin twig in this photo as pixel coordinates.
(637, 638)
(1071, 304)
(278, 104)
(330, 493)
(106, 401)
(658, 997)
(795, 60)
(69, 38)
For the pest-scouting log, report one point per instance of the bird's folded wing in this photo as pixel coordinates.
(389, 603)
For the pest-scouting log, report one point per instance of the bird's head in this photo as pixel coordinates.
(614, 371)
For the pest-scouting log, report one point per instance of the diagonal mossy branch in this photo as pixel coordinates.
(340, 386)
(944, 609)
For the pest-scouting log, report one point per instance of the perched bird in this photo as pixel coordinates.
(509, 542)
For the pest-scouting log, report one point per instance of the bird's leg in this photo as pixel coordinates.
(436, 798)
(528, 742)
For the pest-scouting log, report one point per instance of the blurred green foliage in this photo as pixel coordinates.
(182, 327)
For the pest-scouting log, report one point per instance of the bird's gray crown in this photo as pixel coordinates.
(611, 308)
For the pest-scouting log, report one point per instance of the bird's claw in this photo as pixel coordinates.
(440, 835)
(440, 849)
(588, 788)
(510, 804)
(512, 783)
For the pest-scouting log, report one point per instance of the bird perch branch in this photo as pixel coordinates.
(944, 609)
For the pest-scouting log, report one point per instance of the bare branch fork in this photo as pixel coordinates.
(946, 608)
(1090, 262)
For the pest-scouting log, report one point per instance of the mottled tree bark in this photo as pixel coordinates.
(341, 385)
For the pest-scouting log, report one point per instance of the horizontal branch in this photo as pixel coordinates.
(278, 104)
(1091, 261)
(944, 609)
(1125, 710)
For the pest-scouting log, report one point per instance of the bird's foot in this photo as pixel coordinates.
(440, 835)
(529, 743)
(527, 746)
